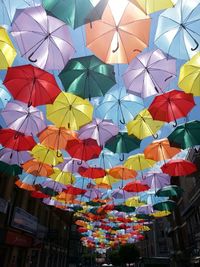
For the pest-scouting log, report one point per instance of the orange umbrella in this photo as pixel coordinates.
(67, 198)
(160, 150)
(121, 172)
(24, 186)
(121, 34)
(56, 138)
(103, 186)
(37, 168)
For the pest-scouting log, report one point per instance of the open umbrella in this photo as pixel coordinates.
(37, 168)
(156, 180)
(121, 172)
(186, 135)
(4, 97)
(99, 130)
(145, 209)
(91, 172)
(43, 40)
(149, 73)
(10, 170)
(136, 186)
(61, 177)
(138, 162)
(13, 157)
(121, 34)
(70, 111)
(31, 85)
(171, 106)
(53, 185)
(178, 33)
(170, 191)
(7, 50)
(151, 6)
(168, 205)
(189, 78)
(134, 202)
(179, 167)
(19, 117)
(72, 165)
(87, 77)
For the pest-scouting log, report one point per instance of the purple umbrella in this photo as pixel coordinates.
(14, 157)
(145, 209)
(156, 180)
(28, 120)
(43, 40)
(100, 130)
(93, 193)
(149, 73)
(53, 185)
(72, 165)
(121, 194)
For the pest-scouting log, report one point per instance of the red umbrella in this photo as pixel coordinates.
(92, 172)
(71, 190)
(31, 85)
(171, 106)
(136, 186)
(83, 149)
(179, 167)
(16, 140)
(38, 194)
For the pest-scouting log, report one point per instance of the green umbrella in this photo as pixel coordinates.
(72, 12)
(87, 77)
(170, 191)
(124, 208)
(123, 143)
(144, 216)
(168, 205)
(186, 135)
(94, 204)
(48, 191)
(77, 208)
(9, 170)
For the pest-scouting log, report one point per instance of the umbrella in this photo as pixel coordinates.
(31, 85)
(10, 170)
(122, 143)
(31, 179)
(62, 177)
(179, 167)
(4, 97)
(138, 162)
(46, 155)
(56, 138)
(72, 12)
(99, 130)
(121, 194)
(83, 149)
(38, 194)
(160, 150)
(170, 191)
(189, 78)
(19, 117)
(121, 172)
(70, 111)
(87, 77)
(160, 214)
(72, 190)
(51, 184)
(156, 180)
(149, 73)
(186, 135)
(13, 157)
(171, 106)
(178, 32)
(91, 172)
(124, 208)
(93, 193)
(134, 202)
(48, 191)
(43, 40)
(168, 205)
(72, 165)
(15, 140)
(136, 186)
(150, 198)
(119, 106)
(7, 50)
(117, 37)
(145, 209)
(25, 186)
(108, 180)
(151, 6)
(37, 168)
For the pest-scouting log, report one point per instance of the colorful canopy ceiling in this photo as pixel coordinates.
(99, 107)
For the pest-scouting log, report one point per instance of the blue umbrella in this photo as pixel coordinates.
(4, 97)
(178, 31)
(151, 199)
(119, 106)
(31, 179)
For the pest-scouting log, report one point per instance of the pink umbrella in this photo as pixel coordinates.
(19, 117)
(43, 40)
(14, 157)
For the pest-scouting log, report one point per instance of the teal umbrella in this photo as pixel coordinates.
(9, 170)
(168, 205)
(87, 77)
(124, 208)
(186, 135)
(170, 191)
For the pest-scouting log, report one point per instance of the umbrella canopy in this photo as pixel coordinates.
(72, 165)
(25, 186)
(136, 186)
(10, 170)
(134, 202)
(92, 172)
(160, 150)
(119, 106)
(83, 149)
(156, 180)
(53, 185)
(99, 130)
(124, 208)
(178, 33)
(138, 162)
(121, 172)
(121, 194)
(93, 193)
(151, 6)
(168, 205)
(145, 209)
(7, 50)
(37, 168)
(70, 111)
(16, 140)
(87, 77)
(189, 78)
(108, 180)
(149, 73)
(186, 135)
(4, 97)
(170, 191)
(43, 40)
(72, 190)
(61, 177)
(13, 157)
(117, 37)
(19, 117)
(172, 105)
(144, 125)
(31, 85)
(179, 167)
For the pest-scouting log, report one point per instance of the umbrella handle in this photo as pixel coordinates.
(197, 45)
(79, 163)
(115, 50)
(155, 136)
(30, 59)
(175, 123)
(122, 158)
(58, 154)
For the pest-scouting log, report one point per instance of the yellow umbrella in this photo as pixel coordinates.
(138, 162)
(134, 202)
(70, 111)
(7, 50)
(63, 177)
(189, 79)
(160, 214)
(46, 155)
(151, 6)
(144, 125)
(106, 180)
